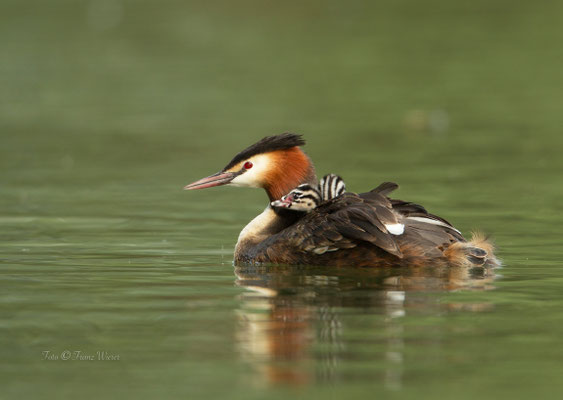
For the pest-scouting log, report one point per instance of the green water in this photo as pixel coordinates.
(108, 108)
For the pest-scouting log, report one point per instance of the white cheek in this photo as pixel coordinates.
(253, 177)
(247, 179)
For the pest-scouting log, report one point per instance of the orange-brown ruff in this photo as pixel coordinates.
(291, 165)
(367, 229)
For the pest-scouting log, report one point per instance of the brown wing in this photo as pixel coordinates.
(359, 220)
(413, 216)
(343, 223)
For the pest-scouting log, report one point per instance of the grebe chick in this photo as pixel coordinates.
(306, 198)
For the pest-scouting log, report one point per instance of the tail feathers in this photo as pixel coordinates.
(479, 251)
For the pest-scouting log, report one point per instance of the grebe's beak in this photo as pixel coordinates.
(218, 179)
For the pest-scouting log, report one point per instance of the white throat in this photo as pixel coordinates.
(259, 228)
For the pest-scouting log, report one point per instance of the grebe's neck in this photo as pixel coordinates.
(289, 169)
(292, 167)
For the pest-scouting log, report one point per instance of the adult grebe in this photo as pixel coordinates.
(367, 229)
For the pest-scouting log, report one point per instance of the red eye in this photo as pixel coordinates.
(247, 165)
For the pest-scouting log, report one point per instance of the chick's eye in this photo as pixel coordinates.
(248, 165)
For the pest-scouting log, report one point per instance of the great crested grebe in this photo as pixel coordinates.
(367, 229)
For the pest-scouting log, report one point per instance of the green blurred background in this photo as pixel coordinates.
(109, 107)
(147, 86)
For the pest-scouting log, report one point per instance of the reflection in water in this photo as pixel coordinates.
(297, 323)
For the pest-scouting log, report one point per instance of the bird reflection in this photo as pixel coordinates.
(296, 324)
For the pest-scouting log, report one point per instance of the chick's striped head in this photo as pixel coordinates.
(306, 197)
(303, 198)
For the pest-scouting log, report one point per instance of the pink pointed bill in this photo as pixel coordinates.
(284, 202)
(218, 179)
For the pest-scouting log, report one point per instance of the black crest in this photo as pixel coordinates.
(269, 143)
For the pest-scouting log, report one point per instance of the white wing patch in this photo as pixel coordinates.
(395, 229)
(433, 222)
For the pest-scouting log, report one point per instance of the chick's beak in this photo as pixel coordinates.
(218, 179)
(284, 202)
